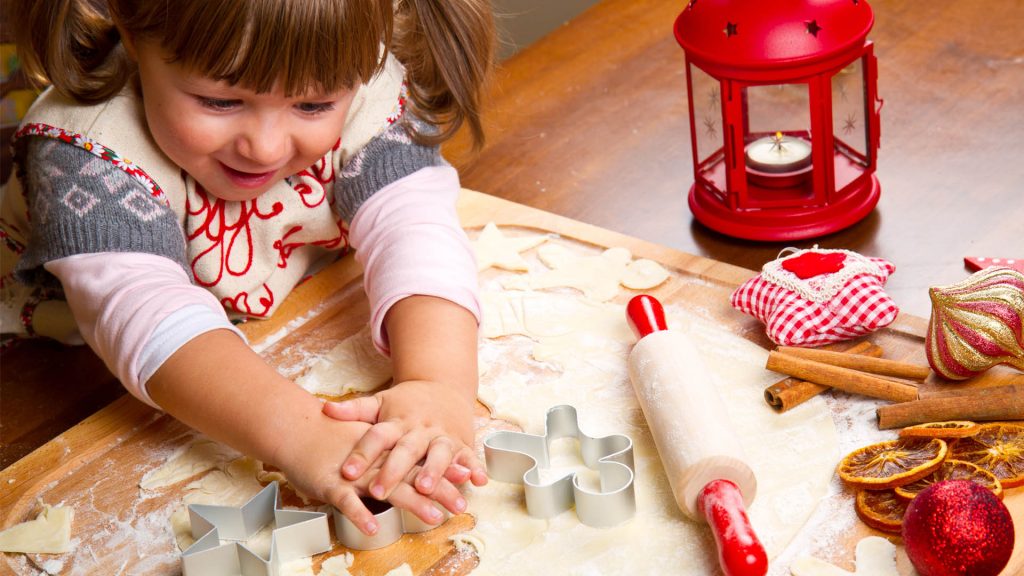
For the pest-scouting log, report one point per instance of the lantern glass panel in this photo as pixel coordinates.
(707, 118)
(777, 144)
(849, 124)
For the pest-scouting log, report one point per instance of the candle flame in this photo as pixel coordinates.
(778, 135)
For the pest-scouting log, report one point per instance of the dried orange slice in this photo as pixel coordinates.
(952, 470)
(881, 509)
(998, 448)
(951, 429)
(893, 463)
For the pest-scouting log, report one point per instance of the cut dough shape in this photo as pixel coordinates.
(598, 277)
(644, 274)
(493, 248)
(48, 533)
(875, 556)
(354, 365)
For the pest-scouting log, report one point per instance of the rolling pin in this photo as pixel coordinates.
(701, 455)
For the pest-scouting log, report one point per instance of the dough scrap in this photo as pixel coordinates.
(644, 274)
(598, 277)
(354, 365)
(493, 248)
(48, 533)
(403, 570)
(197, 457)
(875, 556)
(337, 565)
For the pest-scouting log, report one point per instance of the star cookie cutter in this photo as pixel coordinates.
(392, 524)
(297, 534)
(518, 457)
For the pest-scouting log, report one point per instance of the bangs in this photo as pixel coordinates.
(303, 46)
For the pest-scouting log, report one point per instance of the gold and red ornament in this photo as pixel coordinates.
(977, 324)
(958, 528)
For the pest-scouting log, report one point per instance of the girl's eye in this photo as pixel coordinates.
(217, 103)
(314, 107)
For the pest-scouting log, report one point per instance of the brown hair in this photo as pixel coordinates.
(447, 47)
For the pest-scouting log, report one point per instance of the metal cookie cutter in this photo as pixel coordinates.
(298, 534)
(392, 524)
(518, 457)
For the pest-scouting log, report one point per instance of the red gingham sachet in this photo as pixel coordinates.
(804, 300)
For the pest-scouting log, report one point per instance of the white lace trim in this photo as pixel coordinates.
(823, 287)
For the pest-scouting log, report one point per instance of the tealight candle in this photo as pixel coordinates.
(778, 154)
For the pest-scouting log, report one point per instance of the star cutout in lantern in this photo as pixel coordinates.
(850, 124)
(730, 29)
(493, 248)
(813, 28)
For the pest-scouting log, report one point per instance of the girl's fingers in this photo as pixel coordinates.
(457, 473)
(405, 455)
(353, 508)
(466, 458)
(379, 438)
(406, 497)
(362, 409)
(448, 495)
(439, 455)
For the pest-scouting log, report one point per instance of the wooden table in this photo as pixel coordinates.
(591, 123)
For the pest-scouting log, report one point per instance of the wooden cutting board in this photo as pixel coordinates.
(96, 466)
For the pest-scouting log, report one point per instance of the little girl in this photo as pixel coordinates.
(265, 137)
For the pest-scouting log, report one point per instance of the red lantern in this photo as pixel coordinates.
(783, 118)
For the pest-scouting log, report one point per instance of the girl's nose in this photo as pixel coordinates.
(264, 142)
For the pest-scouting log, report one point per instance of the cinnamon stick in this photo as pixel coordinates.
(982, 404)
(880, 366)
(791, 392)
(841, 378)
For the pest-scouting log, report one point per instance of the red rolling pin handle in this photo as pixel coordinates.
(645, 315)
(740, 553)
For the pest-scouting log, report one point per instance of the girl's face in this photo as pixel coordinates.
(235, 142)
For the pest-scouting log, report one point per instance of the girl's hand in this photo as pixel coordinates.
(417, 421)
(313, 466)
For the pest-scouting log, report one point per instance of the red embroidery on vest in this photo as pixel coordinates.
(227, 239)
(240, 303)
(312, 182)
(285, 248)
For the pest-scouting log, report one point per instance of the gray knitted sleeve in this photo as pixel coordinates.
(390, 156)
(80, 204)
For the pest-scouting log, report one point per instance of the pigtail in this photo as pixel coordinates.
(447, 47)
(71, 45)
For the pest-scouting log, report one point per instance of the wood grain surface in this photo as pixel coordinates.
(96, 466)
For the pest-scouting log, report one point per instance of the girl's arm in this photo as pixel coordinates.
(421, 280)
(203, 373)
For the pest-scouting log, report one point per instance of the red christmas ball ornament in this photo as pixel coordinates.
(958, 528)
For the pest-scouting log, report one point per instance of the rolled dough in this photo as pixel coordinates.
(792, 454)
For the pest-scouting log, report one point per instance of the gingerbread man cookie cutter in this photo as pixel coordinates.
(518, 457)
(297, 534)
